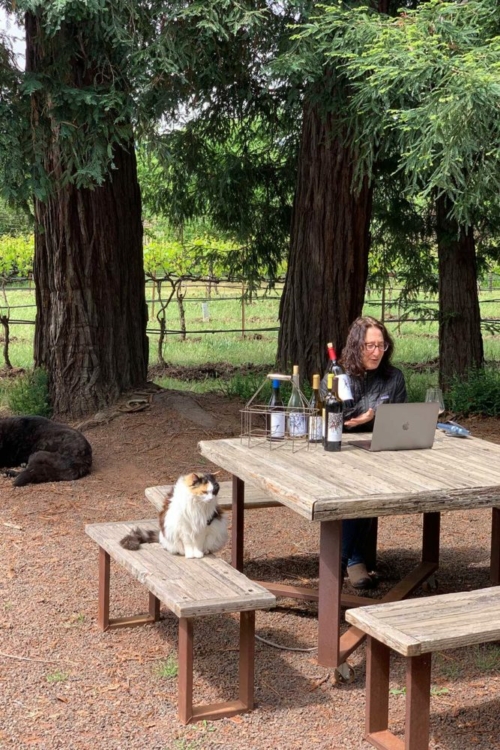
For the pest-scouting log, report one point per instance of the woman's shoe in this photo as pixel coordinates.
(359, 578)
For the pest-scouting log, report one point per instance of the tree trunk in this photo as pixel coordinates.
(328, 260)
(90, 332)
(460, 339)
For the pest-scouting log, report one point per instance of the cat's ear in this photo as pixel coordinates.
(192, 479)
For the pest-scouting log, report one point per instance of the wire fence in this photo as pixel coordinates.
(386, 303)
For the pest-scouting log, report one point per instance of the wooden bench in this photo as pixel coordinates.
(253, 496)
(190, 588)
(416, 629)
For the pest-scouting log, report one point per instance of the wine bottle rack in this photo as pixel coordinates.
(255, 420)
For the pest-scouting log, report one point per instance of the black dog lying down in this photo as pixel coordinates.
(52, 451)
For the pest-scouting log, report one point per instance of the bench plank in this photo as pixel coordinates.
(254, 498)
(432, 624)
(188, 587)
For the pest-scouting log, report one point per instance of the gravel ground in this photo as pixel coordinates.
(64, 684)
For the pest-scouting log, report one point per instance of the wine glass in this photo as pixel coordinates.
(435, 395)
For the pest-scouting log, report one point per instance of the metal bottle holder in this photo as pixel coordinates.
(255, 420)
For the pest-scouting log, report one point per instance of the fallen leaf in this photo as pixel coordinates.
(109, 688)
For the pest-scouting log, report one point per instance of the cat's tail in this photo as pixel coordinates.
(137, 537)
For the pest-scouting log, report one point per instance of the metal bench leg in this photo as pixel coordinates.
(103, 602)
(103, 620)
(185, 678)
(418, 696)
(247, 659)
(495, 547)
(377, 692)
(188, 712)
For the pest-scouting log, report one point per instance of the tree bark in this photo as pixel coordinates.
(90, 331)
(328, 261)
(460, 338)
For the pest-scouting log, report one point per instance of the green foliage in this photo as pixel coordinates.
(242, 386)
(167, 669)
(487, 657)
(424, 86)
(14, 222)
(57, 677)
(30, 395)
(478, 393)
(16, 255)
(186, 255)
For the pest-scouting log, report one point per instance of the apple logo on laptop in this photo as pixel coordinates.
(406, 426)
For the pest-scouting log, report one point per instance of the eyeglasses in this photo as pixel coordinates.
(371, 346)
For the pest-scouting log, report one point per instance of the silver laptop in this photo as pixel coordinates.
(402, 427)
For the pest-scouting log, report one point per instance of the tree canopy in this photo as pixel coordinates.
(424, 86)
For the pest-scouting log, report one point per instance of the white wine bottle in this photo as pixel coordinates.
(297, 420)
(276, 414)
(316, 413)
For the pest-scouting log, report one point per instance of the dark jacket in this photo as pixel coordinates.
(368, 389)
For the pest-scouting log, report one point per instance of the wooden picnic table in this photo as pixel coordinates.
(455, 474)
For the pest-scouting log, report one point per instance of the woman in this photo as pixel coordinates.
(366, 358)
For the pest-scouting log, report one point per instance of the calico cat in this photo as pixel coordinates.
(190, 522)
(52, 452)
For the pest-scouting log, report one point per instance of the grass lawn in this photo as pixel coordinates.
(416, 343)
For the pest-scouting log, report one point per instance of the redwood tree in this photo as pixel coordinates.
(90, 331)
(460, 340)
(421, 90)
(330, 239)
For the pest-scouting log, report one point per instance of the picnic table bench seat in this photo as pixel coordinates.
(254, 498)
(189, 588)
(416, 629)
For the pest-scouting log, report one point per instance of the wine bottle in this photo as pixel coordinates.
(297, 422)
(344, 386)
(316, 413)
(333, 416)
(276, 414)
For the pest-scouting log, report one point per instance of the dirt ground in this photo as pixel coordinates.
(64, 684)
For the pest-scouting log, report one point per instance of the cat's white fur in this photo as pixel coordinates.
(184, 528)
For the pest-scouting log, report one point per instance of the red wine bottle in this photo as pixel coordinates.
(344, 386)
(334, 409)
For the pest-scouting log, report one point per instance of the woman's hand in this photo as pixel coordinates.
(361, 419)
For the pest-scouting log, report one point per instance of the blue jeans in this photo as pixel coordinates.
(354, 536)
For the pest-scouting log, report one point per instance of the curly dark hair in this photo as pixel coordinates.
(352, 353)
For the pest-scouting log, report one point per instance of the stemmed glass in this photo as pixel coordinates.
(435, 395)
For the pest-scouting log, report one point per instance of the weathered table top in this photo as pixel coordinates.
(353, 483)
(434, 623)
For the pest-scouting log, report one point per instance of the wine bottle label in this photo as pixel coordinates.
(315, 429)
(297, 425)
(345, 393)
(277, 425)
(334, 427)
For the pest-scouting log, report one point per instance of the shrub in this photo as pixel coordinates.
(30, 395)
(477, 393)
